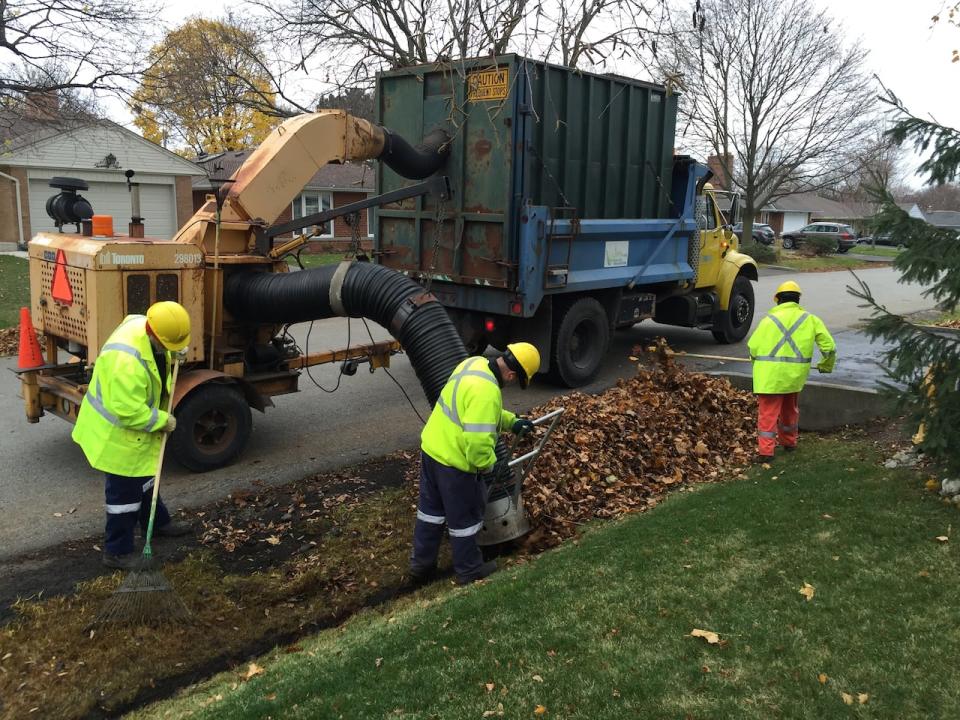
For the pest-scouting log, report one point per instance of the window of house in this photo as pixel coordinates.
(310, 203)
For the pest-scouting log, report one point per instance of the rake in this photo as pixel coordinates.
(145, 597)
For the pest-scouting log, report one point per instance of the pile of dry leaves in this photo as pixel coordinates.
(9, 341)
(619, 451)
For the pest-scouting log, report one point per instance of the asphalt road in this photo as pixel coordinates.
(45, 474)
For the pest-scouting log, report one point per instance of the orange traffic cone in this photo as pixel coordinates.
(30, 356)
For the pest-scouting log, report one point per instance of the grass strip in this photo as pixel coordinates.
(879, 250)
(312, 260)
(14, 289)
(825, 263)
(600, 627)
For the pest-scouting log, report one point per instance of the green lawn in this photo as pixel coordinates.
(600, 628)
(820, 264)
(879, 250)
(14, 289)
(311, 260)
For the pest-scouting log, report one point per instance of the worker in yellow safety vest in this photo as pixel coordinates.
(458, 458)
(781, 349)
(121, 422)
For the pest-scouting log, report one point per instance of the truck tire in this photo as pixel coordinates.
(580, 339)
(213, 426)
(733, 324)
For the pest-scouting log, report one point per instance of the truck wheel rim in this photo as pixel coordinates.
(741, 311)
(214, 430)
(583, 345)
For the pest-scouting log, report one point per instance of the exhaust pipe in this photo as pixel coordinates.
(135, 228)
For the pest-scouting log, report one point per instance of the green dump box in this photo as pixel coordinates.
(524, 133)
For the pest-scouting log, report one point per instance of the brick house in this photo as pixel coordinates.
(41, 143)
(332, 186)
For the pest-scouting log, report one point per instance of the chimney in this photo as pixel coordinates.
(719, 179)
(42, 105)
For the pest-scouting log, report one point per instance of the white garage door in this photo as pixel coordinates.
(794, 221)
(156, 205)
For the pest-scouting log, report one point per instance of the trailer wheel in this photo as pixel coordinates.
(213, 426)
(733, 324)
(580, 340)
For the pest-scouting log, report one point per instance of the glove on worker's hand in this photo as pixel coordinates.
(827, 363)
(521, 426)
(171, 424)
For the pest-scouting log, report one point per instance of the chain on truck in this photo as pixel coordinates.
(542, 204)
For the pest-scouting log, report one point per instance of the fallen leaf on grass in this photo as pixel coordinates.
(862, 698)
(765, 466)
(941, 538)
(498, 712)
(490, 686)
(271, 696)
(808, 591)
(932, 484)
(378, 662)
(537, 678)
(273, 540)
(252, 671)
(822, 677)
(847, 698)
(924, 573)
(708, 635)
(539, 710)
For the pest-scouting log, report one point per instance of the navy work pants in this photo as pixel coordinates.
(455, 498)
(128, 501)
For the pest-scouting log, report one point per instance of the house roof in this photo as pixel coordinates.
(351, 176)
(944, 218)
(821, 207)
(19, 133)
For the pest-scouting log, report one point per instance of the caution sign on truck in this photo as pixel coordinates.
(488, 85)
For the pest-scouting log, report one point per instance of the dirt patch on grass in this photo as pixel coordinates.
(267, 565)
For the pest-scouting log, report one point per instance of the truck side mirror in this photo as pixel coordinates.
(734, 208)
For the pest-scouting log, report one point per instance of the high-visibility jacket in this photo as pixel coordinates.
(120, 419)
(462, 430)
(781, 349)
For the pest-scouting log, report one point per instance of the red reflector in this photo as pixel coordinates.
(516, 308)
(489, 325)
(60, 285)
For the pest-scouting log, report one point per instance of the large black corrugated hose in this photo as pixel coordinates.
(364, 290)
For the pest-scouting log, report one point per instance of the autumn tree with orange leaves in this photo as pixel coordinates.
(206, 90)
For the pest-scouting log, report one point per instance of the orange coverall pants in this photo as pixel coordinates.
(778, 419)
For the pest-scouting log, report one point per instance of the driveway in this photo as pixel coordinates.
(49, 494)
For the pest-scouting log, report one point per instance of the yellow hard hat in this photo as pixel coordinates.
(524, 359)
(788, 286)
(170, 323)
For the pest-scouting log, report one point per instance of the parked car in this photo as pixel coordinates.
(762, 233)
(883, 239)
(845, 235)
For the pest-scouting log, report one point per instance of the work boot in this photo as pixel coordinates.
(789, 448)
(761, 459)
(422, 575)
(485, 570)
(127, 561)
(173, 529)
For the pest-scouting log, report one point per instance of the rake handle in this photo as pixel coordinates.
(147, 549)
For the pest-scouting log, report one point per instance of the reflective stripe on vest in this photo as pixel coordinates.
(451, 411)
(95, 397)
(787, 339)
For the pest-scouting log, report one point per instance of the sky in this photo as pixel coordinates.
(907, 52)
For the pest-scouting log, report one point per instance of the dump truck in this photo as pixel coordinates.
(571, 217)
(476, 241)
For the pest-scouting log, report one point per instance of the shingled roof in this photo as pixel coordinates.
(349, 176)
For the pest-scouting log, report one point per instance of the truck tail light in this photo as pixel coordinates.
(516, 307)
(489, 325)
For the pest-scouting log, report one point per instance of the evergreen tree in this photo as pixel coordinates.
(923, 361)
